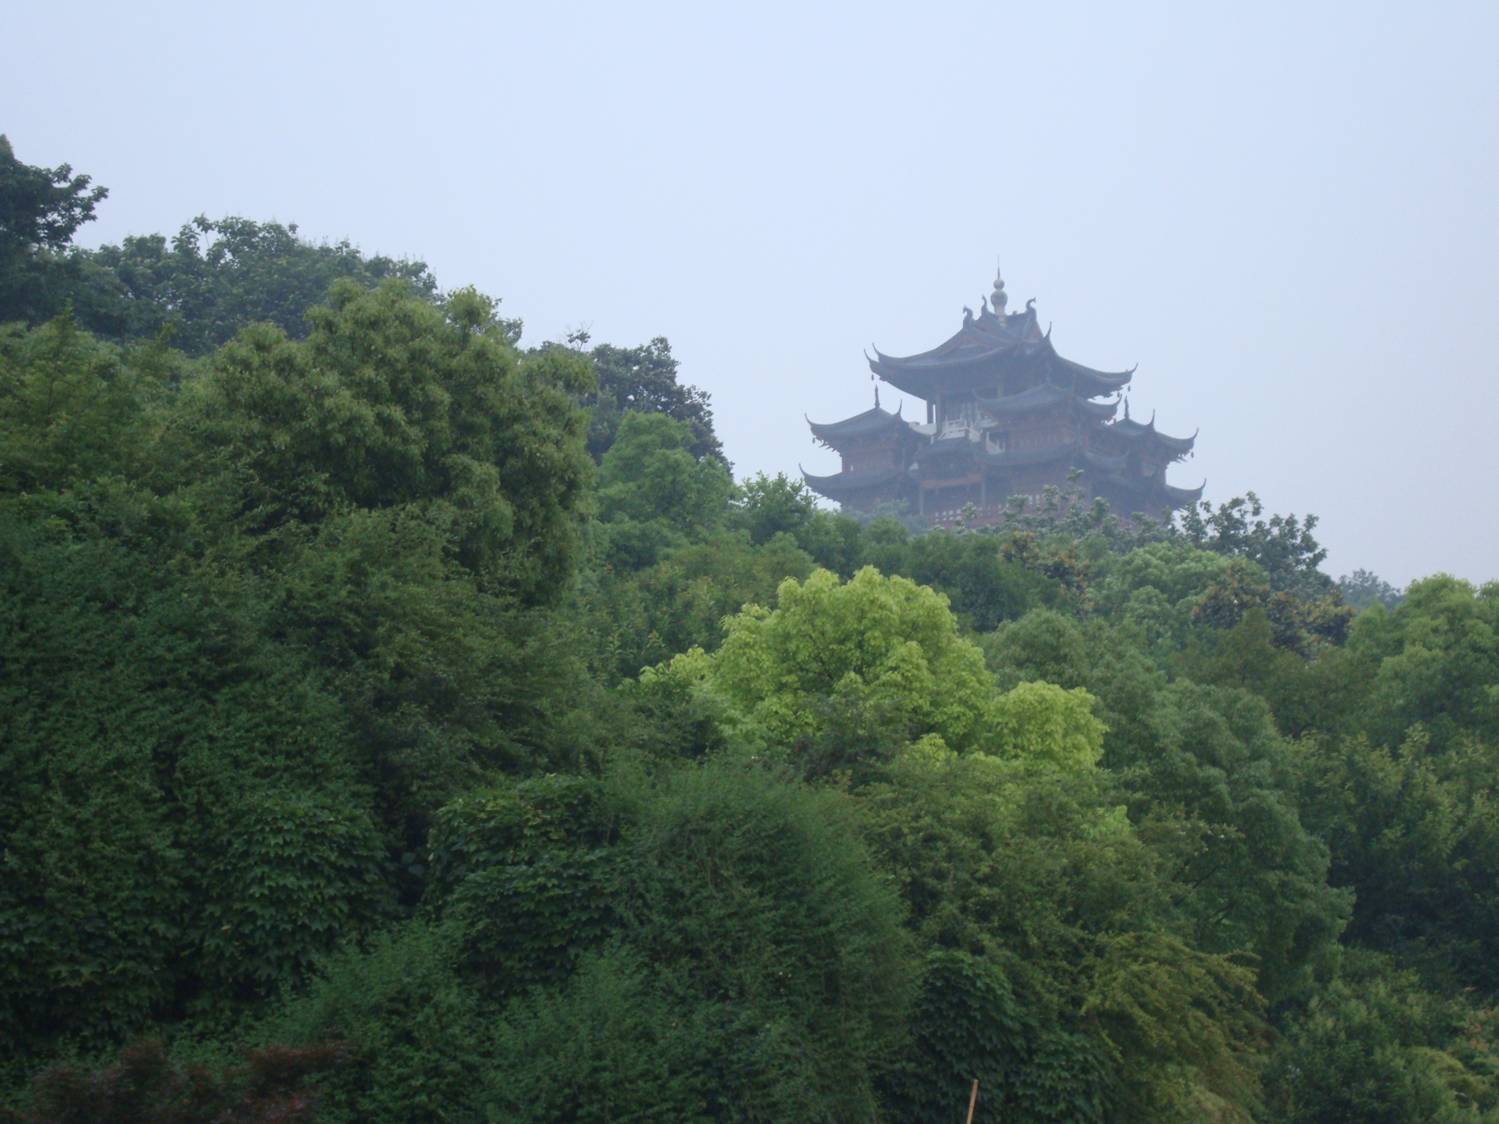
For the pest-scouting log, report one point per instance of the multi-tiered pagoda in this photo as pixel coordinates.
(1005, 416)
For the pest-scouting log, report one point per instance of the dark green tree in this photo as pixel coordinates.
(216, 276)
(767, 506)
(644, 380)
(1363, 588)
(655, 493)
(40, 211)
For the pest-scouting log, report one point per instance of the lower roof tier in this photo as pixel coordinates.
(1102, 475)
(877, 426)
(841, 484)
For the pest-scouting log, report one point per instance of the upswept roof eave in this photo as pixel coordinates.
(887, 365)
(986, 336)
(1133, 431)
(1181, 497)
(848, 482)
(1074, 371)
(872, 421)
(1157, 488)
(965, 334)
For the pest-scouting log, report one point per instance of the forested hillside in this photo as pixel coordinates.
(402, 723)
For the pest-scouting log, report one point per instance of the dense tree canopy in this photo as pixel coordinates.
(402, 725)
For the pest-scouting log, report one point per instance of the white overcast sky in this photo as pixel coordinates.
(1285, 213)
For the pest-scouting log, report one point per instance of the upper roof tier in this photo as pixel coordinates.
(994, 348)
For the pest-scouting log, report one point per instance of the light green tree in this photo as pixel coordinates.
(884, 648)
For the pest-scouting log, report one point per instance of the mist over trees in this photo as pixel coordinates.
(405, 723)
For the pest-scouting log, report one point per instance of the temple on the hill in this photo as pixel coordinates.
(1005, 415)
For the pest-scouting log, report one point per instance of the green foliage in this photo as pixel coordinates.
(393, 401)
(1373, 1046)
(1163, 589)
(757, 896)
(880, 646)
(40, 210)
(768, 507)
(1415, 833)
(415, 1043)
(616, 1044)
(319, 651)
(1434, 660)
(985, 577)
(1187, 1025)
(641, 618)
(285, 875)
(725, 949)
(1043, 644)
(1302, 693)
(1212, 785)
(92, 892)
(1363, 588)
(526, 872)
(71, 408)
(1041, 725)
(441, 682)
(644, 380)
(217, 276)
(1061, 908)
(259, 620)
(1283, 545)
(1218, 797)
(183, 813)
(969, 1025)
(654, 493)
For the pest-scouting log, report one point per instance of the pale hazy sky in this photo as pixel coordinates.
(1286, 214)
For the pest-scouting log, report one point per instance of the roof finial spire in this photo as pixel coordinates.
(876, 396)
(998, 299)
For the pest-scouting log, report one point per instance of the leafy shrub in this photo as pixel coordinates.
(1375, 1046)
(525, 870)
(91, 897)
(754, 893)
(415, 1045)
(968, 1025)
(285, 877)
(613, 1044)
